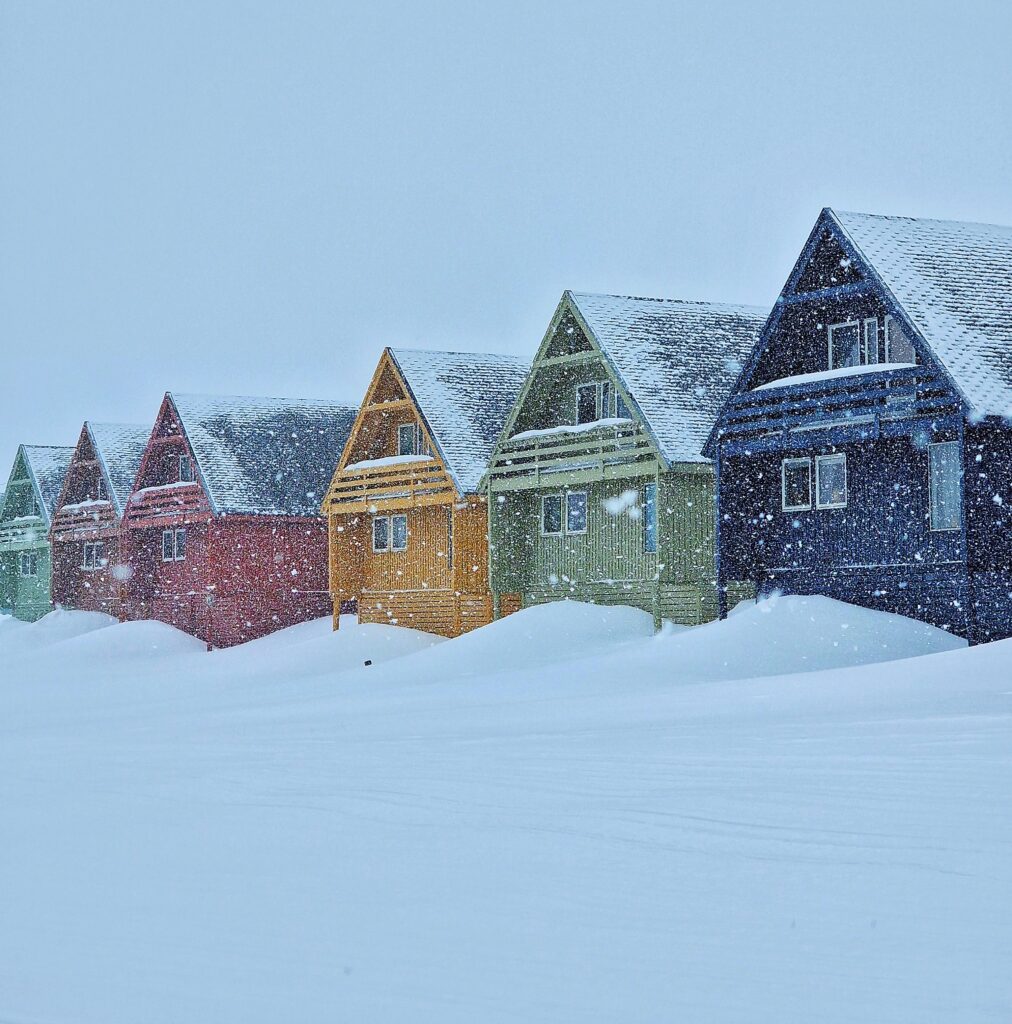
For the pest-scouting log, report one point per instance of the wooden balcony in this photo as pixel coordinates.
(603, 453)
(387, 487)
(858, 407)
(22, 533)
(168, 500)
(79, 520)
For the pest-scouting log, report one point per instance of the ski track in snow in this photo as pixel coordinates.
(556, 818)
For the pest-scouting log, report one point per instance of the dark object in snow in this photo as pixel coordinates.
(367, 663)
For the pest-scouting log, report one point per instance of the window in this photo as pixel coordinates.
(899, 347)
(29, 563)
(831, 481)
(101, 488)
(607, 393)
(796, 484)
(576, 512)
(944, 475)
(390, 533)
(845, 348)
(551, 515)
(92, 556)
(185, 469)
(174, 545)
(650, 518)
(621, 409)
(407, 439)
(586, 403)
(869, 353)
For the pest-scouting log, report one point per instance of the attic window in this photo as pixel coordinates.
(100, 489)
(899, 347)
(586, 403)
(407, 439)
(185, 469)
(853, 343)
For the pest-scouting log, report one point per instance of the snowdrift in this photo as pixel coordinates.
(17, 637)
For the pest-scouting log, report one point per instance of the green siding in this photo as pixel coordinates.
(22, 529)
(26, 597)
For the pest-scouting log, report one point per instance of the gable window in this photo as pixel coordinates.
(621, 409)
(390, 533)
(831, 481)
(101, 488)
(899, 347)
(586, 403)
(551, 515)
(845, 345)
(174, 545)
(869, 348)
(407, 439)
(93, 556)
(185, 469)
(796, 485)
(650, 518)
(607, 395)
(944, 476)
(576, 512)
(29, 563)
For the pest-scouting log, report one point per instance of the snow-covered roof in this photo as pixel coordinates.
(48, 465)
(119, 447)
(954, 282)
(264, 456)
(677, 360)
(464, 398)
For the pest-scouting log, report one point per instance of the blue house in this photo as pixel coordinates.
(865, 452)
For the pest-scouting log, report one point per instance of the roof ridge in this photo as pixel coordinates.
(258, 398)
(920, 220)
(679, 302)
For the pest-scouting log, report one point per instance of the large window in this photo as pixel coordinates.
(845, 346)
(564, 513)
(29, 563)
(92, 558)
(899, 347)
(586, 403)
(944, 477)
(796, 484)
(174, 545)
(650, 518)
(576, 512)
(831, 481)
(551, 515)
(390, 533)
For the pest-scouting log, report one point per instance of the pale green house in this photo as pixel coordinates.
(32, 493)
(598, 489)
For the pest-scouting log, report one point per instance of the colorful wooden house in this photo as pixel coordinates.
(866, 452)
(25, 558)
(408, 537)
(89, 572)
(223, 531)
(598, 488)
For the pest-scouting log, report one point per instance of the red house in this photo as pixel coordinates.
(89, 572)
(223, 529)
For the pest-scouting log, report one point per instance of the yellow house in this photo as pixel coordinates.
(408, 528)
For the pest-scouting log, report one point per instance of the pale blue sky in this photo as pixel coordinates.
(254, 198)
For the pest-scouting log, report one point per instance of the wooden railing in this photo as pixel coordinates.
(26, 532)
(170, 500)
(81, 519)
(532, 461)
(403, 485)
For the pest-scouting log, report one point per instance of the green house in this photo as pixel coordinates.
(33, 491)
(598, 489)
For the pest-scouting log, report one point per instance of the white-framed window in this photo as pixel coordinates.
(407, 439)
(869, 347)
(576, 512)
(796, 484)
(899, 347)
(390, 533)
(845, 344)
(28, 563)
(831, 481)
(587, 398)
(551, 515)
(174, 545)
(185, 469)
(93, 555)
(945, 474)
(650, 518)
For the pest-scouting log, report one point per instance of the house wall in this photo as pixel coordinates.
(96, 590)
(27, 598)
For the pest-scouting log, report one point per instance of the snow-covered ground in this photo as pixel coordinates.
(558, 818)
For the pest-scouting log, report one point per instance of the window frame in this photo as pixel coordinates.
(386, 545)
(562, 517)
(173, 534)
(869, 347)
(95, 549)
(596, 385)
(31, 560)
(627, 415)
(830, 328)
(394, 519)
(413, 428)
(100, 490)
(831, 457)
(390, 547)
(586, 513)
(894, 323)
(650, 518)
(189, 476)
(932, 445)
(795, 460)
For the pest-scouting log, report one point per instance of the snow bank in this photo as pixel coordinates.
(17, 637)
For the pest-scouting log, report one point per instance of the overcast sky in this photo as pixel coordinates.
(254, 198)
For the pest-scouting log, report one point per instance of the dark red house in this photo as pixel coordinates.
(223, 530)
(89, 572)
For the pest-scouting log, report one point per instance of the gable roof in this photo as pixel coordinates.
(953, 280)
(464, 398)
(118, 448)
(676, 359)
(47, 467)
(264, 456)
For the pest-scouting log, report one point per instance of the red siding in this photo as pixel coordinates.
(92, 590)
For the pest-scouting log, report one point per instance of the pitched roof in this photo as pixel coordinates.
(464, 398)
(119, 447)
(676, 359)
(954, 282)
(48, 466)
(264, 456)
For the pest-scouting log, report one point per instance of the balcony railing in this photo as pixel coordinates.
(402, 485)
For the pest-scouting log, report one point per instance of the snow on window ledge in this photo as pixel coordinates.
(841, 371)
